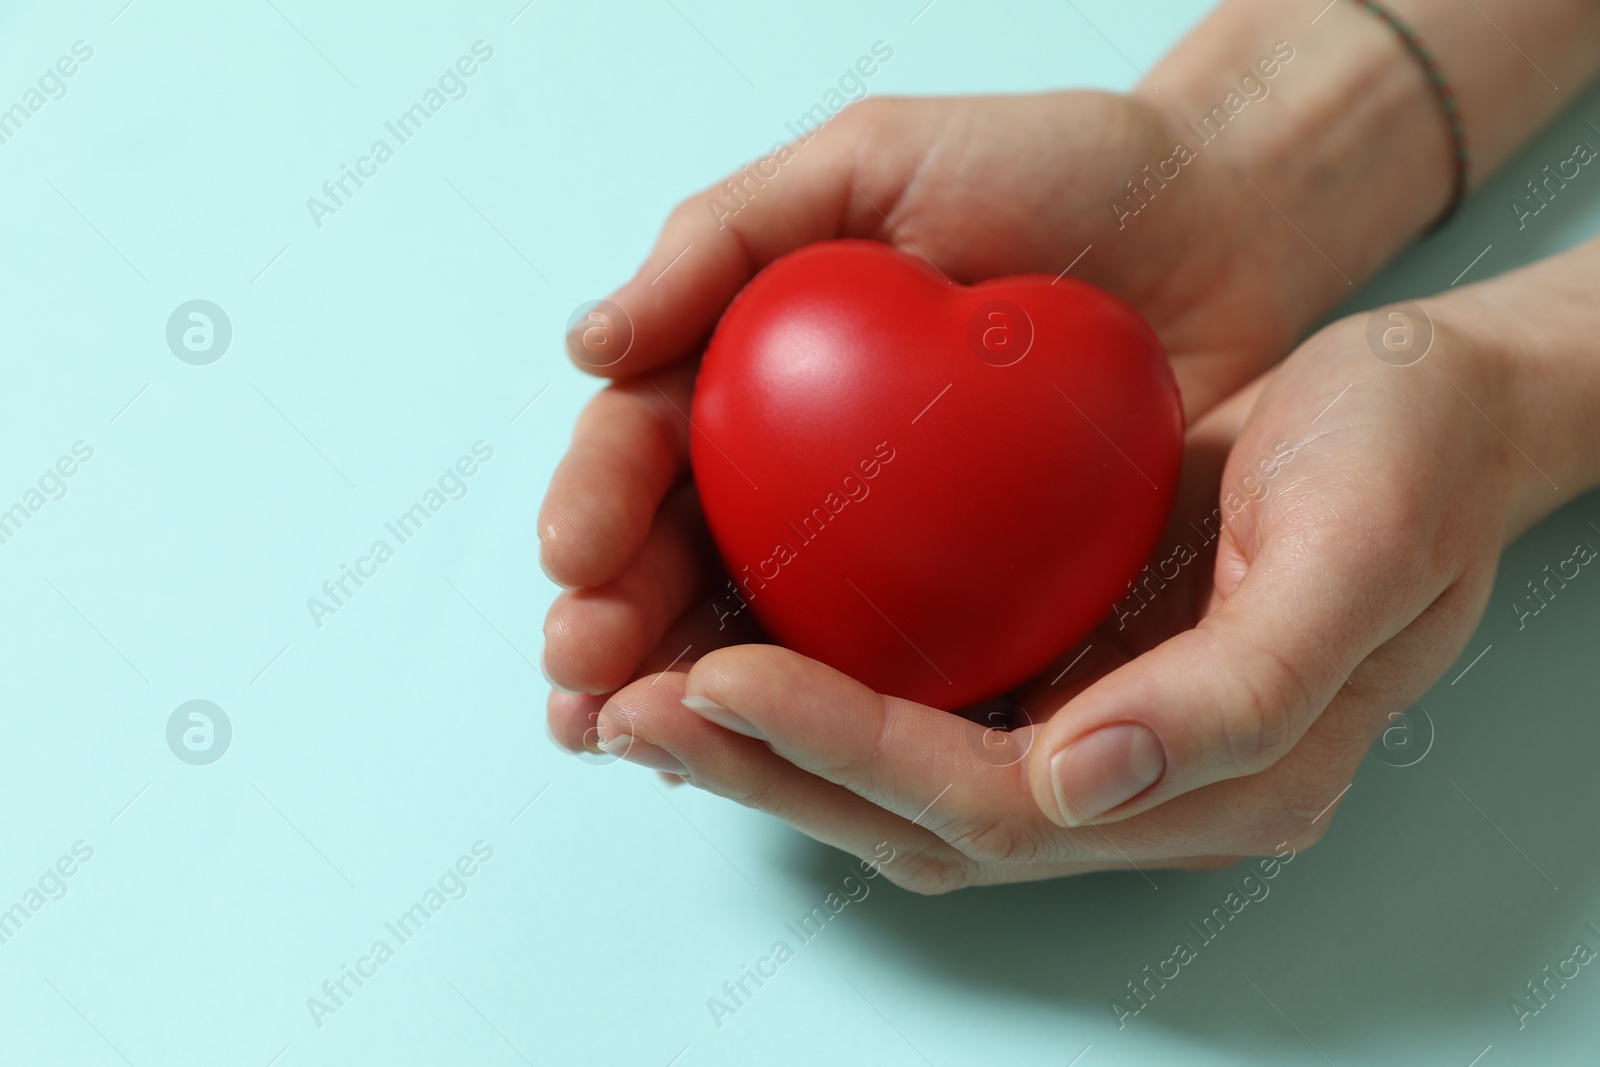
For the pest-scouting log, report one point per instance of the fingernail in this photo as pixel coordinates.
(710, 709)
(630, 748)
(544, 670)
(1105, 768)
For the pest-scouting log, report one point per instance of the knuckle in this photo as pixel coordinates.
(1298, 833)
(1312, 806)
(690, 210)
(1269, 830)
(859, 126)
(869, 112)
(1299, 819)
(995, 840)
(654, 422)
(1274, 702)
(927, 874)
(1308, 833)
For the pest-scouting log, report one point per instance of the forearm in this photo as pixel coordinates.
(1350, 150)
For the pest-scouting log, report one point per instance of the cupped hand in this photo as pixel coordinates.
(981, 187)
(1329, 576)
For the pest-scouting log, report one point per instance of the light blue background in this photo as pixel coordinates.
(371, 753)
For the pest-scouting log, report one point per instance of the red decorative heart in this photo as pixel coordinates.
(932, 487)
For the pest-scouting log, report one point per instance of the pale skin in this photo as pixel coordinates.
(1228, 714)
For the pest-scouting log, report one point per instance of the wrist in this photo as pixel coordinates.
(1345, 113)
(1530, 338)
(1347, 146)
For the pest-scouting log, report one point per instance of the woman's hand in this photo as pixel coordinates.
(1238, 246)
(1228, 271)
(981, 187)
(1222, 710)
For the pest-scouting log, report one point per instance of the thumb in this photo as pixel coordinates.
(1233, 695)
(715, 240)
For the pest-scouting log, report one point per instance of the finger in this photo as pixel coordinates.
(570, 721)
(706, 625)
(1234, 694)
(648, 724)
(630, 444)
(715, 241)
(594, 639)
(929, 766)
(570, 717)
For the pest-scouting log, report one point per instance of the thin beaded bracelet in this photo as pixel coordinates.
(1447, 103)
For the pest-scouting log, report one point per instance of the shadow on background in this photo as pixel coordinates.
(1415, 910)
